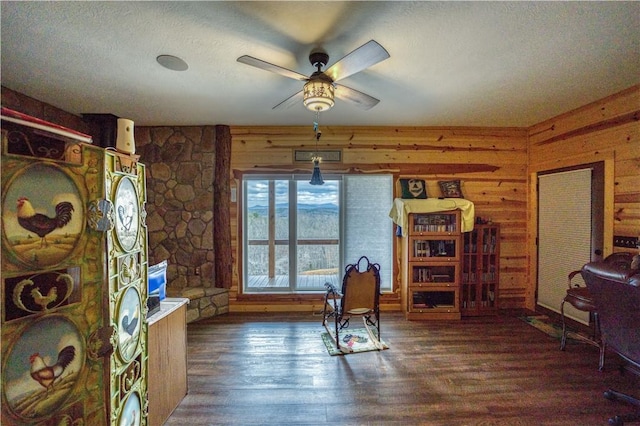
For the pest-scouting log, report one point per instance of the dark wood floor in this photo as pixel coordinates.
(272, 369)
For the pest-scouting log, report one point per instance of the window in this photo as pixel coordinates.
(297, 236)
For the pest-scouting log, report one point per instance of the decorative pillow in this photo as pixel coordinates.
(450, 188)
(635, 263)
(413, 188)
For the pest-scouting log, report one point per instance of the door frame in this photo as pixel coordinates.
(607, 157)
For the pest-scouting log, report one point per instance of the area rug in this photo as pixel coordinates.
(356, 339)
(544, 324)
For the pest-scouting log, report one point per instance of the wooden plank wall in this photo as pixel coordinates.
(490, 162)
(607, 130)
(496, 167)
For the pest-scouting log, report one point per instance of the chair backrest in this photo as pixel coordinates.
(621, 259)
(361, 286)
(615, 289)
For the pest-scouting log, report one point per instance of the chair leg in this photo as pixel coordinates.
(619, 396)
(603, 349)
(563, 342)
(374, 338)
(331, 311)
(598, 339)
(621, 418)
(338, 335)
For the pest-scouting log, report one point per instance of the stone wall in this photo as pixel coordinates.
(180, 166)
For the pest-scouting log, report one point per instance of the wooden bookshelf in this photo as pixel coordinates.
(431, 255)
(480, 271)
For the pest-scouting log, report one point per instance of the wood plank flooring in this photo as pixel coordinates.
(272, 369)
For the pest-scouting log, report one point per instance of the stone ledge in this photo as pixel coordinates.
(203, 302)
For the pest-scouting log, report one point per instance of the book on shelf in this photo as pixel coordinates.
(422, 275)
(441, 278)
(434, 223)
(421, 249)
(432, 305)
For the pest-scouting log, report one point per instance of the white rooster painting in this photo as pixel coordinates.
(130, 415)
(127, 215)
(43, 367)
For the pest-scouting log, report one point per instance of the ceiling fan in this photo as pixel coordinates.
(321, 87)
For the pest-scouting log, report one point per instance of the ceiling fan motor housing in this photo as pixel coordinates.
(319, 58)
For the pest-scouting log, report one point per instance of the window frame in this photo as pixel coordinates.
(293, 238)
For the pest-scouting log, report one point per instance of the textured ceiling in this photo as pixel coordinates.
(451, 64)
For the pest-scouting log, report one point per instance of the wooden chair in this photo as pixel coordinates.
(359, 296)
(616, 293)
(580, 298)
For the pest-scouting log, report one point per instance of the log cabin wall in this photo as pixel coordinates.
(495, 165)
(490, 162)
(607, 130)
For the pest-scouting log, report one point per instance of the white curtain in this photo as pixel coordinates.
(368, 229)
(564, 235)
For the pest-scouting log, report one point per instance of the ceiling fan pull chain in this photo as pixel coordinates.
(316, 128)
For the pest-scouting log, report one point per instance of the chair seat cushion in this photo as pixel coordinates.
(358, 311)
(580, 298)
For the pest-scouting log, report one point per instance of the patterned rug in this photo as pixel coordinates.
(544, 324)
(357, 339)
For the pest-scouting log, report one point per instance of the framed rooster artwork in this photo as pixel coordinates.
(41, 380)
(129, 323)
(73, 279)
(126, 214)
(42, 223)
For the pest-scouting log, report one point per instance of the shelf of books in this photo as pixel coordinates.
(431, 266)
(480, 271)
(447, 223)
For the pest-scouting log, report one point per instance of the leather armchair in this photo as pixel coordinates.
(580, 298)
(615, 289)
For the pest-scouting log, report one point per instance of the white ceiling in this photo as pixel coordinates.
(451, 64)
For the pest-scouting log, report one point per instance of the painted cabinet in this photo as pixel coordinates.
(74, 265)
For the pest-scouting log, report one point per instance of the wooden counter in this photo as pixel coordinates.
(167, 381)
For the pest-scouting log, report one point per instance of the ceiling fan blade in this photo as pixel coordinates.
(295, 99)
(359, 99)
(363, 57)
(259, 63)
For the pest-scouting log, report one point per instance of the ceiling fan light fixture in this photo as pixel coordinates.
(318, 95)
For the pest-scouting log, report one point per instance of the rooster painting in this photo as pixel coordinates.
(129, 326)
(41, 369)
(129, 323)
(44, 301)
(45, 374)
(126, 215)
(39, 223)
